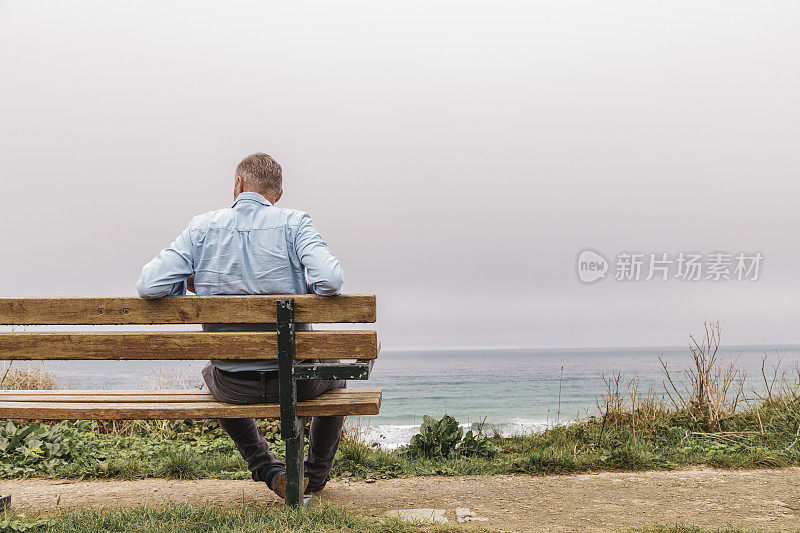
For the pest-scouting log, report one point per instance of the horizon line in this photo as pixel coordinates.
(584, 347)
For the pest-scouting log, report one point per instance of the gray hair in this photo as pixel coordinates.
(261, 171)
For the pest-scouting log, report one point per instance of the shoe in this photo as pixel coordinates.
(317, 488)
(313, 490)
(279, 485)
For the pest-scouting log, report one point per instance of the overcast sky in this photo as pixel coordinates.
(457, 156)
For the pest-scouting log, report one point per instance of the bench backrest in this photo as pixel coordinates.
(322, 344)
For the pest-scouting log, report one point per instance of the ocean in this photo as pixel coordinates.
(516, 391)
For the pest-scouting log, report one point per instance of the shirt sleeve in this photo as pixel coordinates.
(166, 274)
(324, 273)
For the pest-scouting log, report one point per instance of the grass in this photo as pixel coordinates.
(668, 441)
(183, 518)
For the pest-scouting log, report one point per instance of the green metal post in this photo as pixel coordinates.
(291, 426)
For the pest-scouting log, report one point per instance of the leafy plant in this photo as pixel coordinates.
(476, 445)
(38, 448)
(441, 438)
(436, 438)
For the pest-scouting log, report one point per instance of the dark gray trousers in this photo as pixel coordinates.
(325, 430)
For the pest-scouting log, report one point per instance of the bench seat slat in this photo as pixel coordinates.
(250, 309)
(100, 398)
(111, 396)
(94, 407)
(170, 345)
(87, 392)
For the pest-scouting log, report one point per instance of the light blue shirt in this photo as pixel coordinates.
(253, 247)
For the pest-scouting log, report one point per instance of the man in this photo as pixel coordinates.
(254, 247)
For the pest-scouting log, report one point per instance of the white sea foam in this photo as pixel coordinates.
(391, 436)
(523, 426)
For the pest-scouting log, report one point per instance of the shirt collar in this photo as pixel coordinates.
(252, 196)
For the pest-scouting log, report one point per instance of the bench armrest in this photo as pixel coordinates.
(360, 369)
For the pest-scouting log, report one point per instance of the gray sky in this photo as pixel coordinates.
(456, 156)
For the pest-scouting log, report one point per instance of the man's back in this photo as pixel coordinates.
(247, 249)
(253, 247)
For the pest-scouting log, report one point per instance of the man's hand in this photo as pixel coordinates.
(190, 284)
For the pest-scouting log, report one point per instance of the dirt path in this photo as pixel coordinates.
(762, 499)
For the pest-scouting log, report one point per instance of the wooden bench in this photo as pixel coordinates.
(285, 345)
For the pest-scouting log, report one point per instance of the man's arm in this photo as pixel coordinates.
(166, 274)
(324, 273)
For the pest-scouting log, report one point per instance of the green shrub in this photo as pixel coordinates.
(441, 438)
(42, 449)
(436, 438)
(476, 445)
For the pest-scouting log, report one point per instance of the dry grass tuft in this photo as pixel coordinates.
(709, 391)
(159, 379)
(355, 432)
(175, 379)
(623, 404)
(27, 379)
(712, 389)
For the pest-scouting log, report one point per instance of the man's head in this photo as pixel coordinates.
(259, 173)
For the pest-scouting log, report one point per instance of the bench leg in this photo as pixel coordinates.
(294, 466)
(291, 425)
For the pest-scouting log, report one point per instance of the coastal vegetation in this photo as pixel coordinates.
(702, 417)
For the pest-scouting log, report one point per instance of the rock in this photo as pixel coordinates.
(420, 516)
(462, 514)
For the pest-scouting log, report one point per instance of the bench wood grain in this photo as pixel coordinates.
(95, 405)
(334, 344)
(249, 309)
